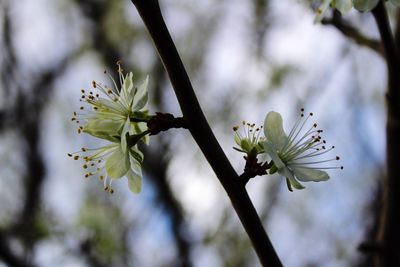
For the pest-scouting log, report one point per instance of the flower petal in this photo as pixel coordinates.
(101, 128)
(273, 130)
(141, 95)
(307, 174)
(135, 176)
(126, 88)
(125, 130)
(117, 164)
(134, 181)
(289, 174)
(365, 5)
(344, 6)
(271, 151)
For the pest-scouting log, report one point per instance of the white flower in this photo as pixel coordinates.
(118, 115)
(113, 110)
(112, 162)
(293, 154)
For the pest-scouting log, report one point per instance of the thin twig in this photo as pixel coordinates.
(351, 32)
(150, 12)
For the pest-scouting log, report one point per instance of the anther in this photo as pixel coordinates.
(235, 128)
(94, 84)
(83, 149)
(69, 155)
(84, 166)
(76, 157)
(337, 157)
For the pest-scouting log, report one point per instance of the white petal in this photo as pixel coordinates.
(141, 96)
(271, 151)
(344, 6)
(395, 2)
(307, 175)
(273, 130)
(365, 5)
(289, 174)
(117, 164)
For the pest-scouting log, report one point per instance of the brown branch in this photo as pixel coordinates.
(351, 32)
(198, 126)
(389, 230)
(8, 256)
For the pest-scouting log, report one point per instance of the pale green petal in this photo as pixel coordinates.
(135, 175)
(134, 181)
(307, 175)
(117, 164)
(273, 130)
(125, 130)
(101, 128)
(141, 95)
(344, 6)
(125, 95)
(365, 5)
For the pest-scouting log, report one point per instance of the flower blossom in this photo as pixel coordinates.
(249, 141)
(295, 156)
(117, 115)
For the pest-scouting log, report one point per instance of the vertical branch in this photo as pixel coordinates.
(150, 12)
(389, 230)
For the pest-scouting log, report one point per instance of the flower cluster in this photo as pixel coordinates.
(119, 116)
(294, 156)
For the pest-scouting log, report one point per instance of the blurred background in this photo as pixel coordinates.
(245, 58)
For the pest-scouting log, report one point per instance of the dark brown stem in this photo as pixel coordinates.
(389, 230)
(198, 126)
(163, 122)
(351, 32)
